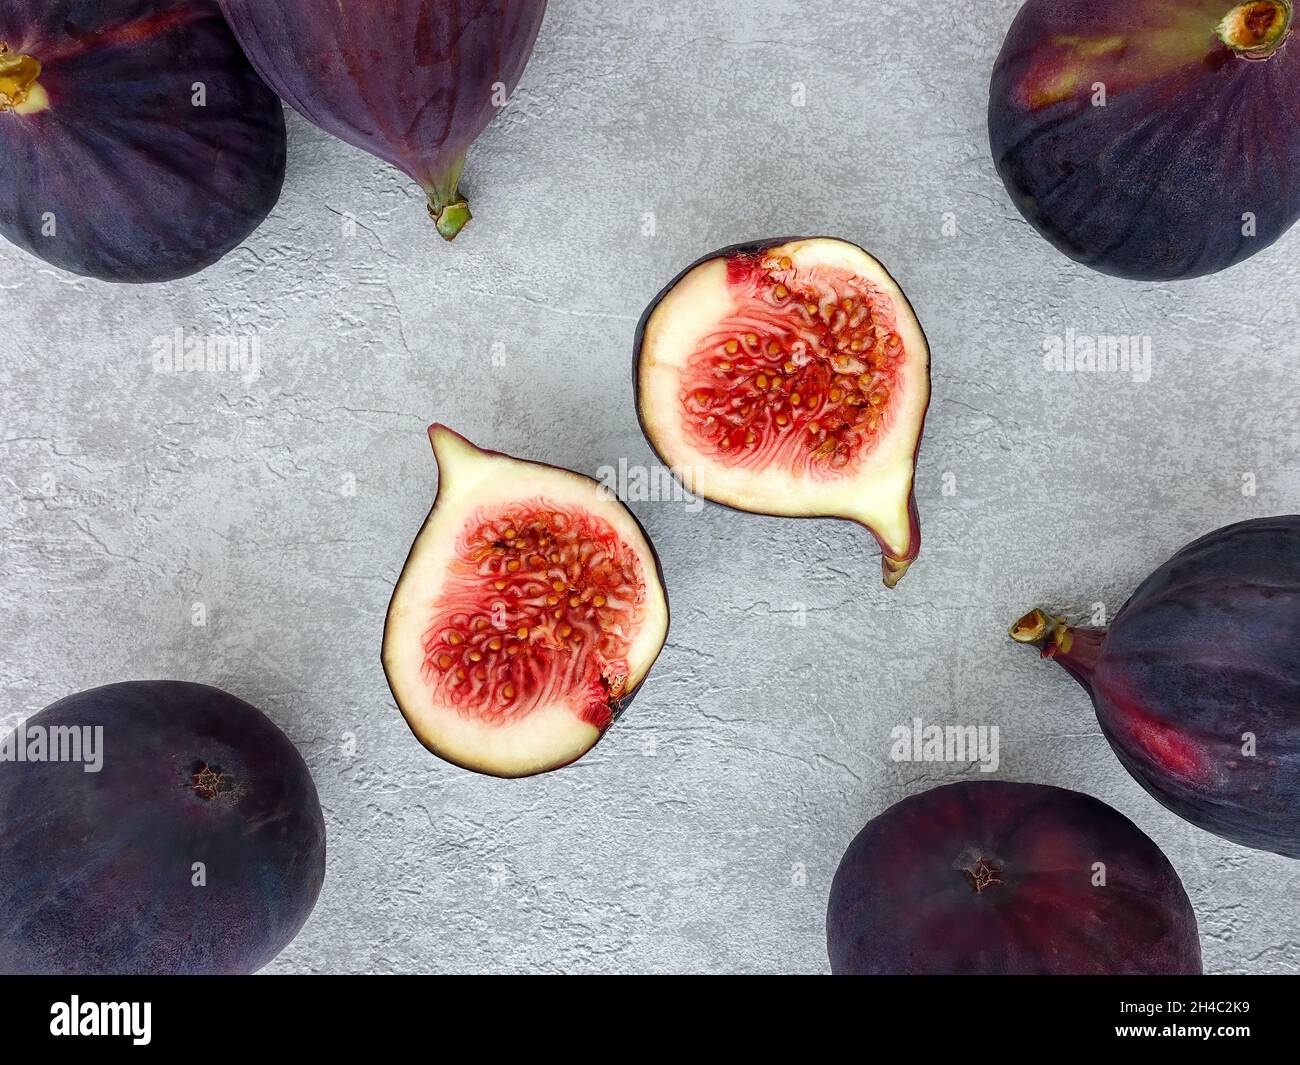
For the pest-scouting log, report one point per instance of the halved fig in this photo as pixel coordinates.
(791, 378)
(529, 612)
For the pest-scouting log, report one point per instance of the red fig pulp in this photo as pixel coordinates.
(411, 82)
(528, 614)
(791, 378)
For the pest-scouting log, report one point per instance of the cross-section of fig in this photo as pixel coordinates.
(528, 614)
(791, 378)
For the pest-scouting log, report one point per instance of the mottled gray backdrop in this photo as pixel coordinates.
(703, 832)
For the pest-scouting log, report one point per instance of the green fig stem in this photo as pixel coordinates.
(1076, 648)
(895, 570)
(18, 80)
(1258, 28)
(448, 208)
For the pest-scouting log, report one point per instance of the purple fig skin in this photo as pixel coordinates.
(1191, 161)
(122, 177)
(991, 878)
(1196, 683)
(97, 869)
(411, 82)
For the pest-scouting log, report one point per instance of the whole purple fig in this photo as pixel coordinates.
(136, 142)
(411, 82)
(1196, 682)
(154, 828)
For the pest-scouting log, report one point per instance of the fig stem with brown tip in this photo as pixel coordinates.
(895, 570)
(1076, 648)
(1256, 29)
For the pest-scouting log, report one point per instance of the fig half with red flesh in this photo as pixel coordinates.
(528, 614)
(791, 378)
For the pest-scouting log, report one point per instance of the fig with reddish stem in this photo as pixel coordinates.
(1196, 683)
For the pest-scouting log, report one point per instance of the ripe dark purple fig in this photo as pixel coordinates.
(138, 144)
(1197, 681)
(527, 616)
(196, 847)
(409, 81)
(790, 377)
(990, 878)
(1150, 139)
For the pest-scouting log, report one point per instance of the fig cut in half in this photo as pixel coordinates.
(790, 378)
(528, 614)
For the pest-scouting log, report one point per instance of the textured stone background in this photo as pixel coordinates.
(702, 834)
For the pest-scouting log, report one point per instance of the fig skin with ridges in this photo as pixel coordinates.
(97, 869)
(486, 733)
(1196, 683)
(874, 499)
(1188, 164)
(111, 171)
(410, 82)
(991, 878)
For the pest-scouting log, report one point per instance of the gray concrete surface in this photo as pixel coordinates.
(702, 834)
